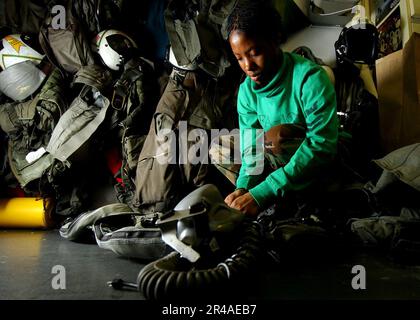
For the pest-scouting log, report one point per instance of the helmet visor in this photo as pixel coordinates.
(119, 44)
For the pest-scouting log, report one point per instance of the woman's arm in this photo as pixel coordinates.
(317, 150)
(251, 144)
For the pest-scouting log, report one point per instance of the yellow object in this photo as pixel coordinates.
(25, 213)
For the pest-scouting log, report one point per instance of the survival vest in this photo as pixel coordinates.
(29, 126)
(195, 33)
(67, 48)
(134, 98)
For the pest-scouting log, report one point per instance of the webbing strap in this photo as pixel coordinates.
(122, 87)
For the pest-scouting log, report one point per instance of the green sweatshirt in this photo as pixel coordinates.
(300, 93)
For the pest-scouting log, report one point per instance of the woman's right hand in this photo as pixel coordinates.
(235, 194)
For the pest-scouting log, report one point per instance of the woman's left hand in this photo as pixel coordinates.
(246, 204)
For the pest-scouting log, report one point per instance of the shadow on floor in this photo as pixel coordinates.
(28, 259)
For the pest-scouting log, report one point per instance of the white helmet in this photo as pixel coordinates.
(114, 47)
(174, 62)
(16, 48)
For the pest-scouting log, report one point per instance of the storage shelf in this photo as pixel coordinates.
(387, 16)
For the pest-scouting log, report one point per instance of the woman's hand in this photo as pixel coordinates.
(243, 201)
(231, 197)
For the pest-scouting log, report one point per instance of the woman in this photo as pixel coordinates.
(287, 96)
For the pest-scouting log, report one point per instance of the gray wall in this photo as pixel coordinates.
(319, 39)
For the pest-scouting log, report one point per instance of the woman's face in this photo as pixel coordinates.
(257, 58)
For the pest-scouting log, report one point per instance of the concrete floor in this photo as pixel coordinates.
(27, 259)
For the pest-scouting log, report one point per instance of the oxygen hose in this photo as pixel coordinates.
(172, 276)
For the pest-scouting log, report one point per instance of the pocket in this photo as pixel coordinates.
(173, 101)
(8, 118)
(72, 121)
(157, 169)
(74, 128)
(63, 46)
(187, 38)
(132, 148)
(153, 182)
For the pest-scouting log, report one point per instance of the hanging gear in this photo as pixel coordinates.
(23, 16)
(16, 48)
(84, 116)
(195, 34)
(29, 126)
(68, 48)
(21, 80)
(358, 43)
(115, 48)
(133, 102)
(191, 100)
(134, 69)
(69, 173)
(172, 60)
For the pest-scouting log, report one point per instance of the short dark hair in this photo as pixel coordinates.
(256, 18)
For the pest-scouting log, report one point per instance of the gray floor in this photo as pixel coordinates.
(28, 257)
(333, 281)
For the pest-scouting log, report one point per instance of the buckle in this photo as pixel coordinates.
(118, 101)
